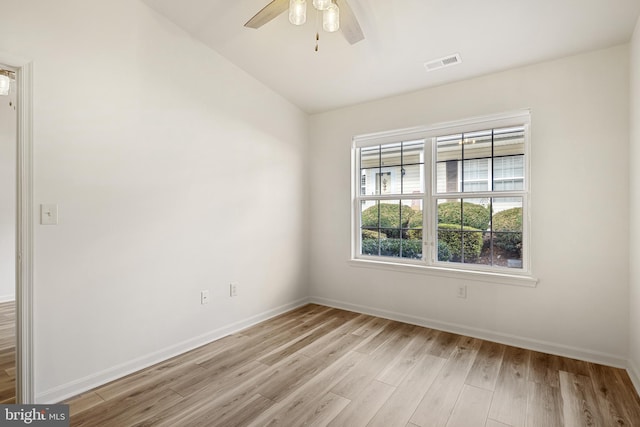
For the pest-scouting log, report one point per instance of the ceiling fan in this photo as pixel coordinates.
(347, 20)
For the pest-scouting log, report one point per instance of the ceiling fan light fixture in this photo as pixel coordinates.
(321, 4)
(297, 12)
(331, 18)
(5, 85)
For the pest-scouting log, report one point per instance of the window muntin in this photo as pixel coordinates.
(481, 175)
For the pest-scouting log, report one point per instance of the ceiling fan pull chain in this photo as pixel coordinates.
(317, 31)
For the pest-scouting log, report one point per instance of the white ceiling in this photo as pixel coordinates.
(400, 36)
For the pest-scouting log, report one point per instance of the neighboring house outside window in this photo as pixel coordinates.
(453, 195)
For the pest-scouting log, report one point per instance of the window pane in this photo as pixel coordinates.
(412, 217)
(476, 214)
(476, 175)
(508, 141)
(450, 211)
(486, 254)
(390, 214)
(368, 181)
(370, 231)
(508, 173)
(412, 179)
(449, 157)
(477, 152)
(369, 214)
(413, 167)
(370, 242)
(449, 243)
(390, 247)
(412, 245)
(472, 243)
(412, 214)
(507, 231)
(449, 148)
(476, 219)
(391, 154)
(413, 152)
(477, 145)
(370, 157)
(389, 180)
(449, 232)
(441, 177)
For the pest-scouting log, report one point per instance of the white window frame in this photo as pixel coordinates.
(429, 264)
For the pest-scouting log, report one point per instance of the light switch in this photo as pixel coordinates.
(204, 297)
(48, 214)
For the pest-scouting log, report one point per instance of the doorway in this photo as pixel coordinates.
(8, 231)
(8, 228)
(24, 381)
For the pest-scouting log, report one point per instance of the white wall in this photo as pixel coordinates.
(174, 171)
(580, 187)
(7, 197)
(634, 233)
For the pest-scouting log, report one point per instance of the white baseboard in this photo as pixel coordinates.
(73, 388)
(634, 374)
(531, 344)
(7, 298)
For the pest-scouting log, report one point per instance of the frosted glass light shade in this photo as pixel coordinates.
(321, 4)
(5, 84)
(331, 18)
(297, 12)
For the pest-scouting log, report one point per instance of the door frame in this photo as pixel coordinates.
(25, 391)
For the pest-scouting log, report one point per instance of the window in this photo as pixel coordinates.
(453, 195)
(391, 211)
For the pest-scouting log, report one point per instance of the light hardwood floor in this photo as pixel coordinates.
(321, 366)
(7, 352)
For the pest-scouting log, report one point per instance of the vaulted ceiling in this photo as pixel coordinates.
(400, 36)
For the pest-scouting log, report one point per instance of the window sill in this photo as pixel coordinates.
(455, 273)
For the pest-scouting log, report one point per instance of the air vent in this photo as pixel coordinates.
(447, 61)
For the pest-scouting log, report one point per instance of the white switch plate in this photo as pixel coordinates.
(462, 291)
(233, 289)
(204, 297)
(49, 214)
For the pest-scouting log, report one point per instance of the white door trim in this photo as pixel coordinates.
(24, 238)
(25, 392)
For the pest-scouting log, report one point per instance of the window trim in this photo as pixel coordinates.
(429, 264)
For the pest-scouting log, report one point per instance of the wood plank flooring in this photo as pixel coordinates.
(7, 352)
(320, 366)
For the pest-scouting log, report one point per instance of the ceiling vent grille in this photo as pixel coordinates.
(446, 61)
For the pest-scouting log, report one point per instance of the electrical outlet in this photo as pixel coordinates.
(462, 291)
(204, 297)
(233, 289)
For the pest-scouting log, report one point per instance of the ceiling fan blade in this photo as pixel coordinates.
(348, 23)
(269, 12)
